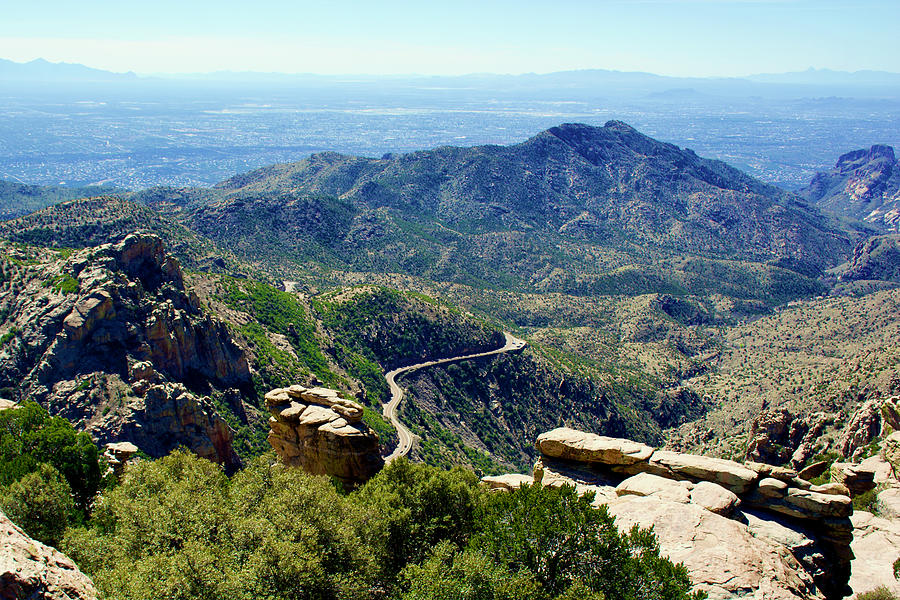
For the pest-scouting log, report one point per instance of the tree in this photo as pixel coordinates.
(40, 503)
(556, 535)
(29, 436)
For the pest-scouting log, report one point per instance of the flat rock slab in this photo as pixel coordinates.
(729, 474)
(507, 482)
(571, 444)
(647, 484)
(876, 545)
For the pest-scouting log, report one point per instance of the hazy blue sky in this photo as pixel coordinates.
(672, 37)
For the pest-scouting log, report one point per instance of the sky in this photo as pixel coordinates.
(667, 37)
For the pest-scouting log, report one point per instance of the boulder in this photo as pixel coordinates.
(856, 478)
(813, 470)
(723, 556)
(804, 504)
(571, 444)
(322, 433)
(890, 450)
(646, 484)
(32, 570)
(772, 488)
(713, 497)
(5, 404)
(766, 470)
(864, 426)
(833, 488)
(117, 456)
(884, 473)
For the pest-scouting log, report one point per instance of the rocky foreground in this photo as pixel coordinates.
(742, 529)
(32, 570)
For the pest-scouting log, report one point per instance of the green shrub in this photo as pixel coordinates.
(466, 575)
(40, 503)
(560, 539)
(880, 593)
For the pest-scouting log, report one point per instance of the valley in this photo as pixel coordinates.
(589, 278)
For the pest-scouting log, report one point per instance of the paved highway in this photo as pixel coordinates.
(390, 409)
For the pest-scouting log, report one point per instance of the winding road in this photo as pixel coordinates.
(390, 409)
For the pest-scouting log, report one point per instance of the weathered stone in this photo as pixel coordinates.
(814, 505)
(722, 556)
(292, 412)
(571, 444)
(646, 484)
(5, 404)
(857, 478)
(772, 488)
(729, 474)
(314, 415)
(713, 497)
(889, 503)
(319, 437)
(766, 470)
(876, 545)
(882, 469)
(890, 451)
(507, 482)
(833, 488)
(32, 570)
(813, 470)
(864, 426)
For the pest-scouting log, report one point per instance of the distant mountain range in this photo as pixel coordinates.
(816, 81)
(575, 209)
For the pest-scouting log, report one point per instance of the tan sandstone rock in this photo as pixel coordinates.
(857, 478)
(714, 498)
(727, 473)
(723, 556)
(647, 484)
(571, 444)
(876, 545)
(322, 433)
(511, 481)
(32, 570)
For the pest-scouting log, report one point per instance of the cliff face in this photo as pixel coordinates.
(863, 185)
(110, 339)
(745, 529)
(317, 430)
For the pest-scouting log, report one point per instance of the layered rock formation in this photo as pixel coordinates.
(317, 430)
(742, 529)
(32, 570)
(110, 339)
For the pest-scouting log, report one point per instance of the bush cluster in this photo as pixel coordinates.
(179, 528)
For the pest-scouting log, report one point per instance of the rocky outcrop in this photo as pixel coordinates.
(863, 185)
(117, 455)
(31, 570)
(110, 339)
(743, 529)
(869, 422)
(779, 436)
(858, 478)
(724, 557)
(317, 430)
